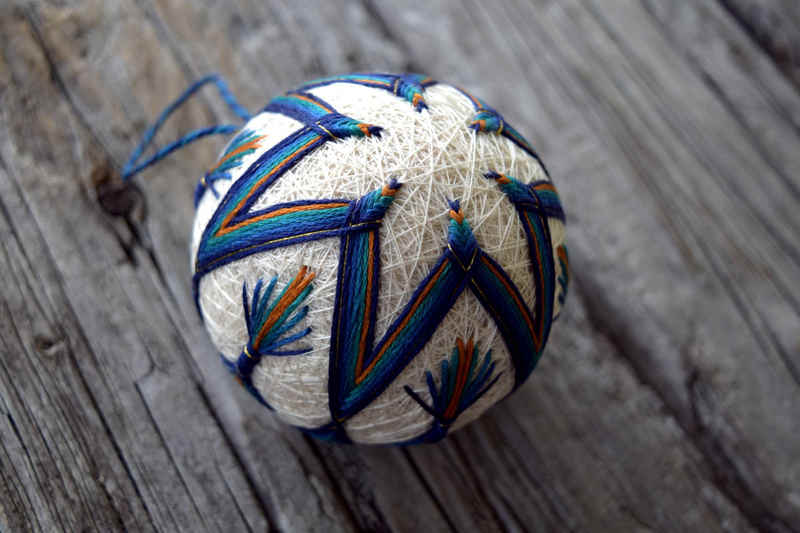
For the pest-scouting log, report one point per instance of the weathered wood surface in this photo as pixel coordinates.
(668, 399)
(773, 24)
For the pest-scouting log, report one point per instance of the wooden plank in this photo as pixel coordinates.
(764, 103)
(602, 62)
(127, 339)
(668, 301)
(373, 499)
(692, 115)
(290, 485)
(61, 469)
(382, 490)
(638, 416)
(726, 145)
(773, 24)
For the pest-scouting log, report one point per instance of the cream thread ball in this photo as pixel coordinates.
(378, 258)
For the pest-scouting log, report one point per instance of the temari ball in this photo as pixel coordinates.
(379, 258)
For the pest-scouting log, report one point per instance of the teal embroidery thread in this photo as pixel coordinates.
(563, 279)
(235, 232)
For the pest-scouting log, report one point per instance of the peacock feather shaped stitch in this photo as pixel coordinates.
(463, 380)
(269, 323)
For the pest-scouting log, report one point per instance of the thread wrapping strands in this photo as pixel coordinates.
(352, 359)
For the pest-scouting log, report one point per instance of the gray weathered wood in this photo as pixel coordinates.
(773, 24)
(667, 399)
(656, 261)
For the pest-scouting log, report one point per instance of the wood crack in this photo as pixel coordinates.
(789, 247)
(785, 56)
(21, 441)
(374, 520)
(429, 489)
(165, 446)
(265, 508)
(724, 474)
(58, 81)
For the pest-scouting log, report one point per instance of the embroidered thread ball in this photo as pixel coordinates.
(379, 258)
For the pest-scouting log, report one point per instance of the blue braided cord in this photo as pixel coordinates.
(131, 168)
(227, 96)
(128, 171)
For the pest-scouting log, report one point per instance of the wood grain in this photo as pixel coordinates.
(667, 399)
(773, 25)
